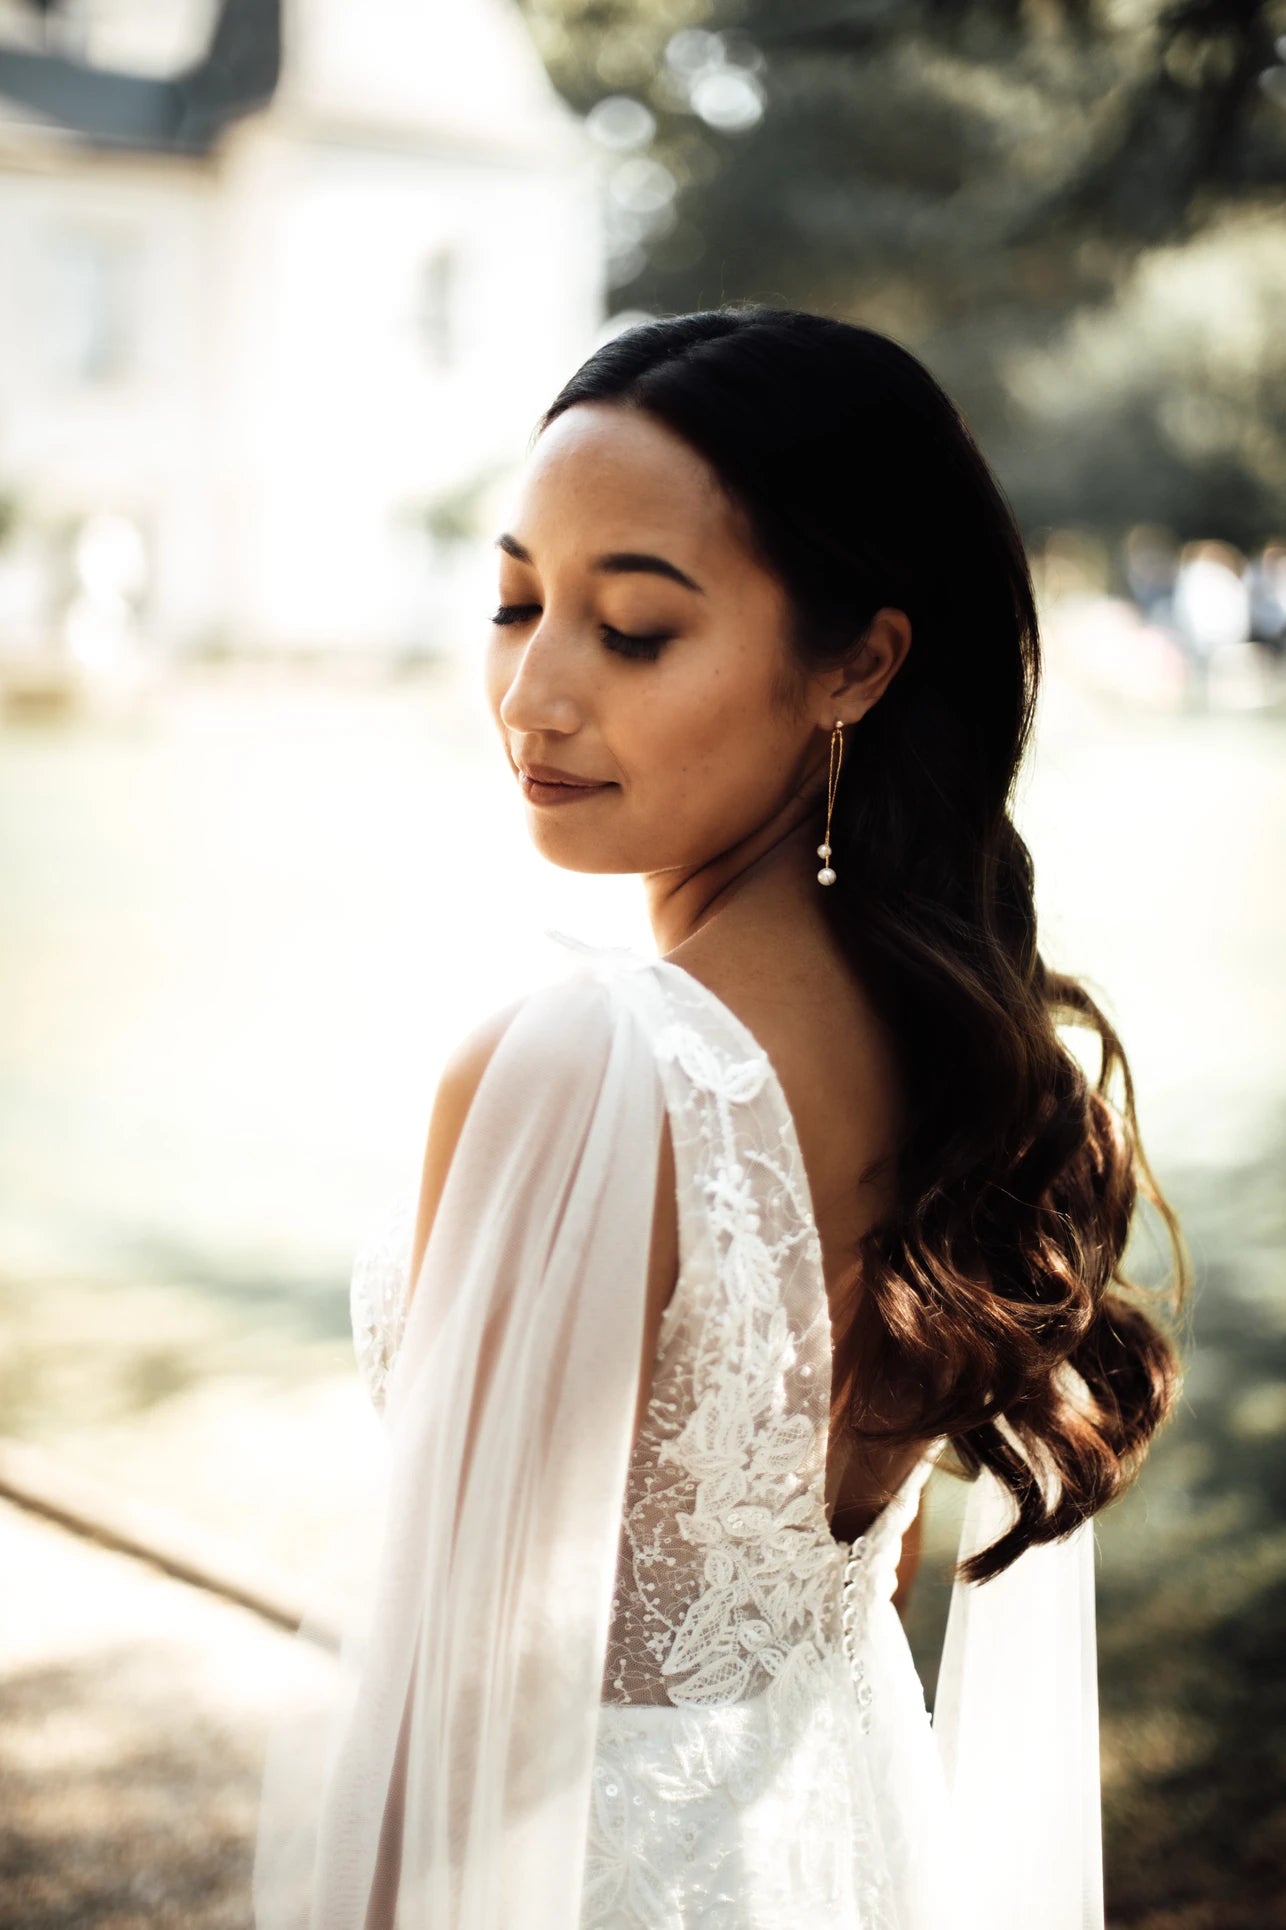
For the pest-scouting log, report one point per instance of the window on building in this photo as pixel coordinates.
(94, 319)
(437, 305)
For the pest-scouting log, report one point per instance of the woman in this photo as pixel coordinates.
(718, 1253)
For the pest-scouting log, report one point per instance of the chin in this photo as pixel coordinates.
(585, 863)
(571, 854)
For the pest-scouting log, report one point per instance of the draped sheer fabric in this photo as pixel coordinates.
(589, 1681)
(1016, 1713)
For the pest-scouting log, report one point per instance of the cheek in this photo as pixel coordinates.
(711, 749)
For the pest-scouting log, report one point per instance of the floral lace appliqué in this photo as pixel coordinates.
(728, 1568)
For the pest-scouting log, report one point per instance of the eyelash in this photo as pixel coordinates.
(621, 641)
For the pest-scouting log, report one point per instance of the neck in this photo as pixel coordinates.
(768, 881)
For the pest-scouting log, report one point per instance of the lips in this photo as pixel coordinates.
(559, 791)
(549, 774)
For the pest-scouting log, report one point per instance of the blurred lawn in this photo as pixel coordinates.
(241, 931)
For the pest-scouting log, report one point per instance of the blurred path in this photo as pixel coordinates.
(133, 1712)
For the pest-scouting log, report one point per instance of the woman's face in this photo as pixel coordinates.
(619, 530)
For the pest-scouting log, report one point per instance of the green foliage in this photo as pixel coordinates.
(457, 515)
(1008, 186)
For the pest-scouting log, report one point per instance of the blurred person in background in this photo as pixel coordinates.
(1266, 588)
(720, 1252)
(1151, 567)
(1211, 610)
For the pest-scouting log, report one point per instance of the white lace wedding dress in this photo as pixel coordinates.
(762, 1757)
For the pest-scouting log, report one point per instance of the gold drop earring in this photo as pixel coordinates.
(826, 876)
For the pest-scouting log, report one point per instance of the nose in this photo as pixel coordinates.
(539, 699)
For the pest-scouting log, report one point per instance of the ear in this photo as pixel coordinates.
(877, 661)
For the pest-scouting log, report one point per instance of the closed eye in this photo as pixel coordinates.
(625, 643)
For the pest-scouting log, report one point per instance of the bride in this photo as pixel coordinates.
(719, 1252)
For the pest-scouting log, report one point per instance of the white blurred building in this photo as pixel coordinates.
(266, 313)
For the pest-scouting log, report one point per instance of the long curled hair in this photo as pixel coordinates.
(989, 1303)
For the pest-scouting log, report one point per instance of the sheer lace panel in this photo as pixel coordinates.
(727, 1566)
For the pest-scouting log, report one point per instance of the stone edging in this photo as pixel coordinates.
(36, 1480)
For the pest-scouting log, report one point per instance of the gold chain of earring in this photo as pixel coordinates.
(826, 876)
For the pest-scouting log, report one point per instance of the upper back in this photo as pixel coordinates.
(838, 1071)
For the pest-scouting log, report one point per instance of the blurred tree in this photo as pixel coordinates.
(994, 182)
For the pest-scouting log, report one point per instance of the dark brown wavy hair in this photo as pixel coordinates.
(989, 1304)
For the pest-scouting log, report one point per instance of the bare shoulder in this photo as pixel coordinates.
(462, 1071)
(457, 1088)
(462, 1074)
(464, 1066)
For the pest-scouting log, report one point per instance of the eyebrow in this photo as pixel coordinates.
(617, 562)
